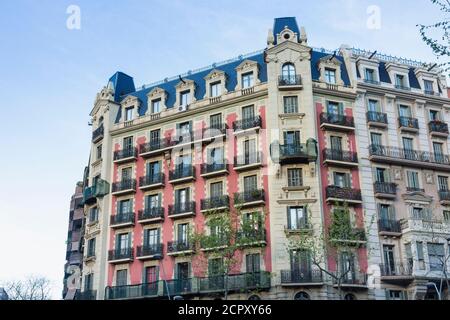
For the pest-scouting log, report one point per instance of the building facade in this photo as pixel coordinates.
(279, 136)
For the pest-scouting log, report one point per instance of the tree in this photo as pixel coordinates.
(218, 250)
(32, 288)
(333, 244)
(439, 30)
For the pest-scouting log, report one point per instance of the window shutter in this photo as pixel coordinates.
(341, 108)
(347, 181)
(288, 217)
(257, 259)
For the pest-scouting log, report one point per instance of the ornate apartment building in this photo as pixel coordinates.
(289, 135)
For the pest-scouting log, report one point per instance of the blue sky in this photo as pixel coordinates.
(49, 76)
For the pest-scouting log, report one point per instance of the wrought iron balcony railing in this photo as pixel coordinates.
(407, 122)
(149, 250)
(100, 189)
(289, 80)
(154, 145)
(235, 282)
(125, 153)
(181, 208)
(215, 202)
(377, 117)
(249, 196)
(132, 291)
(215, 130)
(86, 295)
(151, 213)
(438, 126)
(247, 123)
(444, 195)
(122, 218)
(414, 189)
(149, 180)
(253, 235)
(395, 269)
(386, 225)
(343, 193)
(98, 133)
(299, 225)
(207, 168)
(301, 276)
(179, 246)
(408, 154)
(340, 155)
(337, 119)
(357, 278)
(121, 254)
(299, 151)
(129, 184)
(182, 171)
(385, 187)
(247, 159)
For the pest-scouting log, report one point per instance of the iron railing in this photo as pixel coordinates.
(215, 130)
(402, 87)
(247, 159)
(132, 291)
(178, 246)
(98, 133)
(213, 167)
(289, 80)
(438, 126)
(297, 150)
(396, 269)
(247, 123)
(128, 184)
(385, 187)
(149, 180)
(249, 196)
(181, 208)
(86, 295)
(151, 213)
(343, 193)
(408, 154)
(388, 225)
(337, 119)
(444, 195)
(154, 145)
(182, 171)
(121, 218)
(340, 155)
(121, 254)
(125, 153)
(215, 202)
(407, 122)
(373, 116)
(149, 250)
(301, 276)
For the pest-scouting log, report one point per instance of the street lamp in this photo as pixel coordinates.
(432, 284)
(160, 257)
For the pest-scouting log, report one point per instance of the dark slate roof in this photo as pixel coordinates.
(123, 84)
(315, 73)
(280, 23)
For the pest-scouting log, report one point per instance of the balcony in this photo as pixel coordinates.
(154, 147)
(120, 255)
(180, 287)
(214, 169)
(98, 134)
(346, 234)
(414, 189)
(179, 248)
(121, 220)
(151, 215)
(247, 124)
(388, 227)
(407, 124)
(86, 295)
(298, 153)
(183, 138)
(406, 157)
(215, 131)
(444, 197)
(137, 291)
(150, 251)
(377, 119)
(252, 238)
(301, 226)
(438, 128)
(340, 158)
(125, 155)
(154, 181)
(425, 223)
(338, 194)
(289, 82)
(181, 174)
(402, 87)
(215, 204)
(248, 161)
(99, 190)
(250, 198)
(396, 273)
(124, 187)
(291, 278)
(329, 121)
(182, 210)
(353, 279)
(385, 190)
(242, 282)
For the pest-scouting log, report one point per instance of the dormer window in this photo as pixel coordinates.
(428, 86)
(370, 76)
(247, 80)
(156, 106)
(129, 113)
(400, 81)
(330, 75)
(288, 73)
(215, 89)
(185, 98)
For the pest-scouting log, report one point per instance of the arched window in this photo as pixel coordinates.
(288, 73)
(301, 296)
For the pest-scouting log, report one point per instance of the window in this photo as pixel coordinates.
(215, 121)
(350, 296)
(336, 143)
(370, 75)
(153, 201)
(404, 111)
(388, 256)
(126, 174)
(215, 156)
(99, 152)
(247, 80)
(413, 180)
(151, 274)
(184, 130)
(215, 89)
(125, 206)
(438, 151)
(300, 261)
(342, 180)
(129, 114)
(95, 180)
(182, 233)
(408, 145)
(288, 73)
(156, 106)
(250, 155)
(123, 241)
(127, 143)
(446, 215)
(420, 256)
(155, 138)
(434, 115)
(121, 277)
(215, 267)
(252, 263)
(292, 138)
(88, 282)
(182, 273)
(250, 183)
(330, 75)
(301, 296)
(395, 295)
(347, 265)
(216, 189)
(443, 183)
(185, 98)
(436, 256)
(290, 104)
(297, 218)
(153, 169)
(409, 256)
(386, 212)
(400, 81)
(91, 247)
(151, 237)
(93, 215)
(376, 139)
(382, 175)
(295, 177)
(248, 112)
(428, 85)
(373, 106)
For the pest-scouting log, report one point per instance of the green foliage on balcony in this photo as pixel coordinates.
(341, 230)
